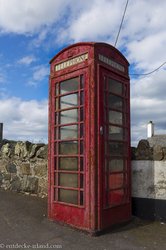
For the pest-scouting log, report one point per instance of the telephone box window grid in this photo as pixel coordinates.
(69, 141)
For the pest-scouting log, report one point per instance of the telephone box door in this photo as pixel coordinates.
(114, 148)
(68, 187)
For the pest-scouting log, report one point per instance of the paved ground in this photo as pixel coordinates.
(24, 225)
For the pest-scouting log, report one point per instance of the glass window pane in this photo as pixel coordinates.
(68, 101)
(115, 181)
(116, 165)
(115, 102)
(116, 148)
(68, 116)
(68, 148)
(68, 196)
(68, 132)
(68, 180)
(68, 163)
(115, 133)
(115, 86)
(69, 85)
(116, 197)
(115, 117)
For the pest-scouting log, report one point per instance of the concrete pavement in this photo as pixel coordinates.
(24, 225)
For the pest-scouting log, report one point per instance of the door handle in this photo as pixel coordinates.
(101, 130)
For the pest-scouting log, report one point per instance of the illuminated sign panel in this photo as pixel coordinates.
(111, 63)
(71, 62)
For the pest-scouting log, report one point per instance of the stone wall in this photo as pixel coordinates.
(144, 151)
(23, 167)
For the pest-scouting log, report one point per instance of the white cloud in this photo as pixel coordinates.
(152, 86)
(144, 34)
(24, 120)
(41, 37)
(148, 52)
(28, 16)
(143, 18)
(99, 21)
(27, 60)
(40, 73)
(148, 103)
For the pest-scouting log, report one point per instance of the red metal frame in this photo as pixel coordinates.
(93, 213)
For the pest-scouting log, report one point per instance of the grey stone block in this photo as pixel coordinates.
(43, 152)
(35, 149)
(7, 177)
(22, 149)
(144, 151)
(25, 168)
(1, 178)
(40, 169)
(29, 184)
(15, 184)
(11, 168)
(158, 154)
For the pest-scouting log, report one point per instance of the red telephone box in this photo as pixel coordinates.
(89, 137)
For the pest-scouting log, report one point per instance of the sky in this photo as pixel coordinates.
(33, 31)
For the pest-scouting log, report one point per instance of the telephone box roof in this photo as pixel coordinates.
(92, 44)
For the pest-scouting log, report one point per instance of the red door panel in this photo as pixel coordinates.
(114, 147)
(68, 187)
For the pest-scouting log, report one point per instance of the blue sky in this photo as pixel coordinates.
(33, 31)
(24, 67)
